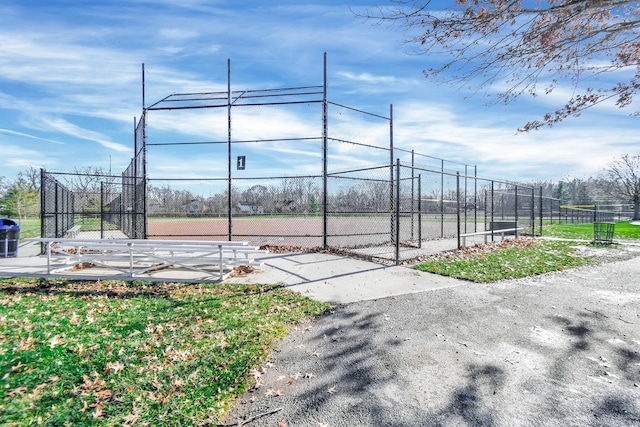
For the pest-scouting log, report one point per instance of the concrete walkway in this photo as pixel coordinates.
(320, 276)
(338, 279)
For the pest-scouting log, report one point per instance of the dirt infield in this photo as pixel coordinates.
(299, 231)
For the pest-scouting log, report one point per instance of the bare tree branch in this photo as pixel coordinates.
(508, 41)
(623, 178)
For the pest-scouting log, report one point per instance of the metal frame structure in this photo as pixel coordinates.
(417, 200)
(231, 99)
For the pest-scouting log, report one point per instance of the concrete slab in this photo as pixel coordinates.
(333, 278)
(320, 276)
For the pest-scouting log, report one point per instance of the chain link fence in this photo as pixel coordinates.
(95, 204)
(346, 190)
(57, 207)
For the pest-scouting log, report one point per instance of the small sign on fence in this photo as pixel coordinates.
(241, 163)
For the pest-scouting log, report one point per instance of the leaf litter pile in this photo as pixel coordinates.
(508, 259)
(127, 353)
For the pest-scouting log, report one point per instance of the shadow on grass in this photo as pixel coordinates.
(127, 290)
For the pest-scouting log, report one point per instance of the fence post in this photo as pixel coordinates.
(42, 208)
(229, 183)
(464, 205)
(533, 211)
(458, 207)
(391, 178)
(492, 208)
(57, 210)
(397, 212)
(420, 210)
(413, 195)
(325, 148)
(541, 211)
(441, 199)
(102, 198)
(516, 211)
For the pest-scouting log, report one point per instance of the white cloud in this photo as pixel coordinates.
(67, 128)
(367, 78)
(9, 131)
(75, 73)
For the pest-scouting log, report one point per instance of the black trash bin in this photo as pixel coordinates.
(9, 238)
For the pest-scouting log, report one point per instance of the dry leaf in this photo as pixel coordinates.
(131, 418)
(113, 367)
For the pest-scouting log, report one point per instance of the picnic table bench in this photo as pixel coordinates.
(138, 257)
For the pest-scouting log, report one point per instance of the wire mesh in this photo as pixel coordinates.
(57, 203)
(349, 187)
(98, 205)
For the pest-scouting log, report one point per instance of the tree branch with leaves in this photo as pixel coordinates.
(528, 47)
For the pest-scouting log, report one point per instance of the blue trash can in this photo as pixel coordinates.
(9, 238)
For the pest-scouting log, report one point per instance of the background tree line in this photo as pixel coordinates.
(618, 184)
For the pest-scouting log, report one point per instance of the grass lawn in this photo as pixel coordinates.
(29, 228)
(521, 258)
(624, 230)
(120, 353)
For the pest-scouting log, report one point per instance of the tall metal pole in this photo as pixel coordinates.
(533, 211)
(143, 85)
(516, 210)
(541, 211)
(441, 199)
(141, 174)
(102, 194)
(464, 205)
(229, 214)
(491, 225)
(412, 191)
(397, 213)
(43, 207)
(420, 210)
(458, 207)
(325, 131)
(475, 198)
(391, 178)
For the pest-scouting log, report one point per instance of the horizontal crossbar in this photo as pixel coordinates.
(143, 256)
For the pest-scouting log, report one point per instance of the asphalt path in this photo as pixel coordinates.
(560, 349)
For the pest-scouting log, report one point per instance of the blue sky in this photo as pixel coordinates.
(70, 87)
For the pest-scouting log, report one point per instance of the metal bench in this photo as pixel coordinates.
(487, 233)
(73, 232)
(139, 257)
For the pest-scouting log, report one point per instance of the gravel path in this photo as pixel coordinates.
(561, 349)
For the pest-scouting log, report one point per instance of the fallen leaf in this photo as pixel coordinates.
(271, 392)
(113, 367)
(98, 412)
(55, 341)
(131, 418)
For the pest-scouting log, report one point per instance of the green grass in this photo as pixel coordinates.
(531, 258)
(623, 230)
(29, 228)
(93, 224)
(119, 353)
